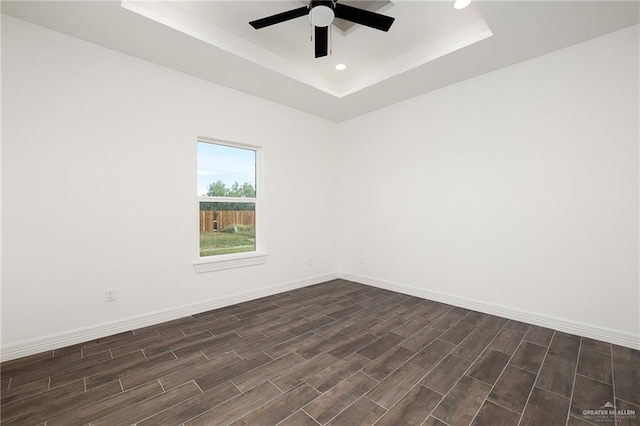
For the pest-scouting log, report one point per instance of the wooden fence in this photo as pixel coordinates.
(214, 221)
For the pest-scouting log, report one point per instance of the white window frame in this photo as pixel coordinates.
(235, 260)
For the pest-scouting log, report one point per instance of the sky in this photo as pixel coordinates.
(228, 164)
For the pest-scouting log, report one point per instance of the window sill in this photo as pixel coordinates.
(230, 261)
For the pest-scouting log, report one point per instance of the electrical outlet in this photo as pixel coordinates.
(109, 294)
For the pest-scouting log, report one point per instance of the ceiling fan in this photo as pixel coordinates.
(321, 13)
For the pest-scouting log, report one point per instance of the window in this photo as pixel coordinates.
(229, 206)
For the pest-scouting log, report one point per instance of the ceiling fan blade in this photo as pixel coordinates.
(364, 17)
(322, 41)
(280, 17)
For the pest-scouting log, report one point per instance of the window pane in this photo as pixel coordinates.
(227, 228)
(225, 171)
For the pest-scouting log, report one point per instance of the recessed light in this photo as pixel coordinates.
(341, 67)
(461, 4)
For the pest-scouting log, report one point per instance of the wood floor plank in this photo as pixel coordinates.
(457, 333)
(387, 363)
(176, 341)
(147, 408)
(488, 366)
(281, 325)
(529, 356)
(338, 398)
(595, 365)
(256, 311)
(386, 326)
(342, 351)
(589, 394)
(107, 406)
(383, 344)
(596, 345)
(446, 321)
(327, 344)
(217, 343)
(310, 326)
(463, 402)
(419, 340)
(93, 381)
(493, 415)
(507, 341)
(574, 421)
(517, 326)
(280, 407)
(345, 312)
(557, 375)
(264, 344)
(353, 345)
(28, 389)
(162, 370)
(91, 369)
(230, 371)
(436, 310)
(412, 409)
(222, 329)
(432, 421)
(294, 344)
(267, 371)
(474, 318)
(480, 338)
(539, 335)
(123, 342)
(300, 372)
(396, 385)
(337, 372)
(235, 344)
(33, 409)
(363, 411)
(512, 388)
(184, 375)
(443, 376)
(627, 382)
(412, 326)
(356, 327)
(627, 414)
(196, 406)
(564, 346)
(299, 418)
(12, 367)
(49, 368)
(545, 408)
(431, 356)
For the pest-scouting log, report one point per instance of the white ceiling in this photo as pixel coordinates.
(371, 55)
(430, 45)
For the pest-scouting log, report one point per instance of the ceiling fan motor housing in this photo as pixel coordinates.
(321, 12)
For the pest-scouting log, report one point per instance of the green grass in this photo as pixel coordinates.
(226, 242)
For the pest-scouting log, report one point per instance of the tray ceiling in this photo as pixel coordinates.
(430, 45)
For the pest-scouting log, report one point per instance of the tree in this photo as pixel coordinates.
(219, 189)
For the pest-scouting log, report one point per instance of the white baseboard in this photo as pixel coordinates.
(60, 340)
(573, 327)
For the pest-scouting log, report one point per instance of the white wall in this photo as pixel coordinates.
(513, 192)
(517, 190)
(99, 186)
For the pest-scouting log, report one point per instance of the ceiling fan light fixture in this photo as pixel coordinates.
(321, 16)
(461, 4)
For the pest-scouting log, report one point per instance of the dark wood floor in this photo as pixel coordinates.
(337, 353)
